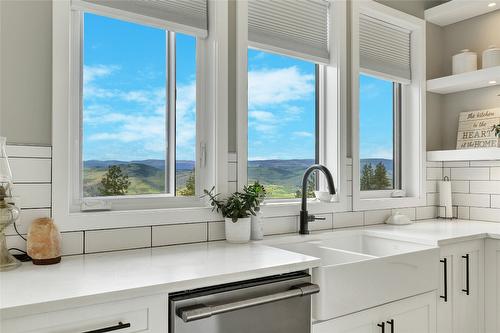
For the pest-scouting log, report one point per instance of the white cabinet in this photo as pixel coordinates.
(412, 315)
(460, 305)
(143, 314)
(492, 286)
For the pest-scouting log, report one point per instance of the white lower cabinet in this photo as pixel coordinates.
(142, 314)
(411, 315)
(492, 286)
(460, 304)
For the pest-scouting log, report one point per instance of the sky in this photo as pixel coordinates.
(124, 97)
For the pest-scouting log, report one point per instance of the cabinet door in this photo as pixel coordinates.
(492, 286)
(468, 303)
(445, 291)
(360, 322)
(413, 315)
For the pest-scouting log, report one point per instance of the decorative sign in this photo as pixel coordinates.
(475, 129)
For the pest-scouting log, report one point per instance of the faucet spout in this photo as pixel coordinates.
(305, 218)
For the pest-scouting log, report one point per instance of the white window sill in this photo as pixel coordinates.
(292, 207)
(387, 203)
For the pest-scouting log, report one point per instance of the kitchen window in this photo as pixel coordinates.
(282, 123)
(388, 107)
(140, 111)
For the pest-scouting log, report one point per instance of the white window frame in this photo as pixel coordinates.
(413, 96)
(332, 125)
(211, 131)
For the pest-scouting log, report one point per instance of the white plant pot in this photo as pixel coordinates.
(239, 231)
(257, 228)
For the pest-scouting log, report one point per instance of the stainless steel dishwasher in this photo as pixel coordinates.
(278, 304)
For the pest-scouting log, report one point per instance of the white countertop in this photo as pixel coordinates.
(139, 272)
(85, 278)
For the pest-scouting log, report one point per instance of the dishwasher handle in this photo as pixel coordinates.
(201, 311)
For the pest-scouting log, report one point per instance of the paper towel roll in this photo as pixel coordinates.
(445, 199)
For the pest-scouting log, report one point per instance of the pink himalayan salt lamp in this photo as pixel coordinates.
(44, 242)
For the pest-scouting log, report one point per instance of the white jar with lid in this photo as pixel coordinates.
(465, 61)
(491, 57)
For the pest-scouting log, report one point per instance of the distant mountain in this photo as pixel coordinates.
(157, 164)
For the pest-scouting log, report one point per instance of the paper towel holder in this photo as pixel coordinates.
(443, 208)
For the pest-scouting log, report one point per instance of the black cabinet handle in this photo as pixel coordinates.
(467, 289)
(382, 326)
(391, 322)
(120, 326)
(445, 275)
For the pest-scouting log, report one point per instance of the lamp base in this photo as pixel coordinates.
(7, 260)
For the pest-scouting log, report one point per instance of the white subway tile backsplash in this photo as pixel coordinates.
(485, 186)
(463, 213)
(432, 199)
(322, 224)
(29, 151)
(410, 212)
(179, 234)
(460, 186)
(33, 195)
(31, 170)
(348, 219)
(216, 231)
(485, 214)
(117, 239)
(446, 172)
(26, 218)
(376, 216)
(281, 225)
(431, 186)
(348, 171)
(456, 164)
(470, 173)
(232, 157)
(232, 172)
(232, 187)
(495, 201)
(349, 188)
(472, 200)
(71, 243)
(434, 173)
(485, 163)
(434, 164)
(495, 173)
(427, 212)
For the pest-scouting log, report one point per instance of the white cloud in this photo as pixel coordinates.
(263, 116)
(277, 86)
(378, 152)
(303, 134)
(91, 73)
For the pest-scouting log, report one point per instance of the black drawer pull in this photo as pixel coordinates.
(120, 326)
(445, 275)
(391, 322)
(467, 283)
(382, 326)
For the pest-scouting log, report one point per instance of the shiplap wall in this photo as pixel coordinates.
(476, 187)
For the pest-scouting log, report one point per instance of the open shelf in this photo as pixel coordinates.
(482, 154)
(482, 78)
(458, 10)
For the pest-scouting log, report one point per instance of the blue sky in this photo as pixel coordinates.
(125, 95)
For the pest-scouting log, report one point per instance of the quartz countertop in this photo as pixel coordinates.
(132, 273)
(85, 278)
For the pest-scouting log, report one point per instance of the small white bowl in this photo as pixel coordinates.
(323, 196)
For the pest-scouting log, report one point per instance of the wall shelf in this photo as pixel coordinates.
(483, 154)
(482, 78)
(459, 10)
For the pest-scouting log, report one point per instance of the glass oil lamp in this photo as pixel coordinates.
(8, 212)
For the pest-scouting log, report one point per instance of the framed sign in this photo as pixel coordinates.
(475, 129)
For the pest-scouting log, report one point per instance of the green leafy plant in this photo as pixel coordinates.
(256, 194)
(114, 182)
(238, 205)
(496, 128)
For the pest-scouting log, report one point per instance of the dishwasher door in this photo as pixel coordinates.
(279, 304)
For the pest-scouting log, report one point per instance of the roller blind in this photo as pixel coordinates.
(186, 16)
(384, 49)
(297, 28)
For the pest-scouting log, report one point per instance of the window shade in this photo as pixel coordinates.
(384, 49)
(297, 28)
(186, 16)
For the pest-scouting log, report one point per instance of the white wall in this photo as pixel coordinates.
(26, 71)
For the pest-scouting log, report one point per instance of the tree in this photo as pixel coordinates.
(114, 182)
(311, 187)
(367, 177)
(189, 189)
(380, 179)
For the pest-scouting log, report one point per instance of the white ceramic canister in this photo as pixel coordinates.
(257, 229)
(491, 57)
(466, 61)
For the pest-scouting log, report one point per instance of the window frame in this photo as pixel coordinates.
(211, 130)
(412, 115)
(332, 143)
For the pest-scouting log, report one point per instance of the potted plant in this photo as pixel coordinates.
(236, 210)
(257, 194)
(496, 128)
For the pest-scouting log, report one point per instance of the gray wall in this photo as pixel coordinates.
(26, 71)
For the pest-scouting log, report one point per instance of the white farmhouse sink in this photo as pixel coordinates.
(360, 270)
